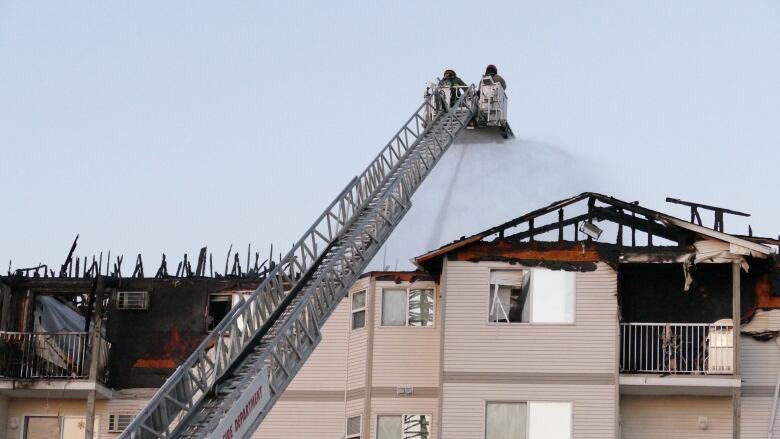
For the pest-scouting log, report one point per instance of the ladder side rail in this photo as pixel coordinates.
(397, 203)
(189, 382)
(356, 203)
(293, 342)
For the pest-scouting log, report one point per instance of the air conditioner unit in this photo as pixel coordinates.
(132, 300)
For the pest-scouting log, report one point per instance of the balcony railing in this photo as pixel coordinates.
(49, 355)
(677, 348)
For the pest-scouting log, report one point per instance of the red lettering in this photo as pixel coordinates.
(244, 414)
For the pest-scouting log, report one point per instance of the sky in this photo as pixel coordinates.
(162, 127)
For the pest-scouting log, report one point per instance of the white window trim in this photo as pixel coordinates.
(408, 292)
(376, 420)
(530, 303)
(528, 403)
(353, 311)
(360, 430)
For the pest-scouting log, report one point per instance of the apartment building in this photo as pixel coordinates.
(589, 318)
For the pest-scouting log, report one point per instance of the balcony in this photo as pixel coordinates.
(677, 358)
(49, 356)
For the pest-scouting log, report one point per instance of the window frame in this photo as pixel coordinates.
(528, 404)
(408, 293)
(530, 299)
(217, 297)
(378, 415)
(360, 430)
(26, 417)
(116, 421)
(352, 311)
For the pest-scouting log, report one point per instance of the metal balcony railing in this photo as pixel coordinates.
(49, 355)
(677, 348)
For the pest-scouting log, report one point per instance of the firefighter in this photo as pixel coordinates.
(492, 71)
(452, 81)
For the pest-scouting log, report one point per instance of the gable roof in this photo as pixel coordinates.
(652, 222)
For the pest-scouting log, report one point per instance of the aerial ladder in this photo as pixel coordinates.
(232, 379)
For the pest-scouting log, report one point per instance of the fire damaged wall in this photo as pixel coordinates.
(655, 293)
(147, 345)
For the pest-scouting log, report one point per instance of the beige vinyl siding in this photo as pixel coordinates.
(463, 407)
(326, 367)
(303, 419)
(405, 356)
(471, 343)
(759, 362)
(755, 418)
(675, 417)
(528, 362)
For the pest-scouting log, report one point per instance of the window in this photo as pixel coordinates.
(354, 425)
(132, 300)
(531, 296)
(509, 296)
(403, 427)
(118, 422)
(408, 307)
(506, 420)
(359, 309)
(219, 307)
(42, 427)
(528, 420)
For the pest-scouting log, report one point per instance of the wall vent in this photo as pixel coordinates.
(132, 300)
(117, 423)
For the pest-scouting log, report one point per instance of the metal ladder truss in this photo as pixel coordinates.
(266, 339)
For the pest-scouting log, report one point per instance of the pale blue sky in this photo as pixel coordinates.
(151, 126)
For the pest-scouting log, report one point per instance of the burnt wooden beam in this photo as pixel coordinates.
(69, 258)
(227, 258)
(705, 206)
(163, 270)
(139, 267)
(200, 269)
(560, 220)
(637, 223)
(5, 313)
(549, 227)
(649, 230)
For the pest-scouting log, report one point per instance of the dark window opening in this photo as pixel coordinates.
(219, 306)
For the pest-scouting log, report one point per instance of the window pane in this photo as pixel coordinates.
(505, 420)
(553, 296)
(509, 296)
(549, 420)
(417, 427)
(359, 300)
(358, 319)
(394, 308)
(353, 426)
(389, 427)
(421, 307)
